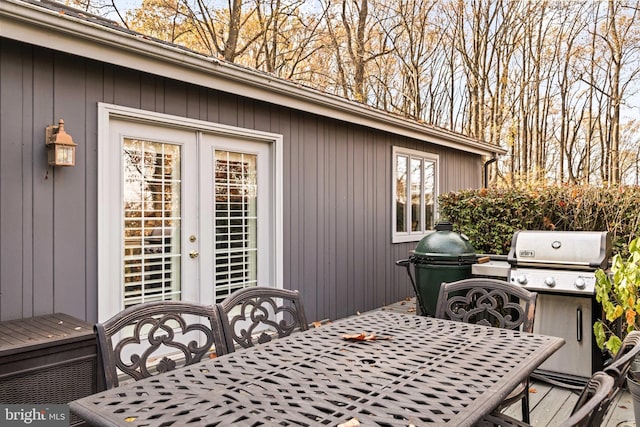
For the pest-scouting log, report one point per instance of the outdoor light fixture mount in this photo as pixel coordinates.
(61, 150)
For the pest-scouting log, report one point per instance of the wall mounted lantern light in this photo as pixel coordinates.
(61, 150)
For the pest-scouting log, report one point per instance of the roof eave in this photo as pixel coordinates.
(42, 27)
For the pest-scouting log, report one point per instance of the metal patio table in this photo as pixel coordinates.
(418, 371)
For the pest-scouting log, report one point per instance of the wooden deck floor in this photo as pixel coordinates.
(551, 404)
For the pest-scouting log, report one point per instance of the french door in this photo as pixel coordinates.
(235, 213)
(188, 214)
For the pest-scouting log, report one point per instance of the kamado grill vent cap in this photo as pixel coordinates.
(444, 246)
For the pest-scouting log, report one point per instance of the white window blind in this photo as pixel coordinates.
(235, 220)
(152, 218)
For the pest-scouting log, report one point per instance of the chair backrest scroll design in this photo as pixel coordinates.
(488, 302)
(155, 337)
(255, 315)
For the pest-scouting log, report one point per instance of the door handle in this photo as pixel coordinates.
(193, 254)
(579, 324)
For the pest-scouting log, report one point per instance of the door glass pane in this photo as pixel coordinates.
(401, 193)
(152, 218)
(235, 225)
(429, 191)
(416, 194)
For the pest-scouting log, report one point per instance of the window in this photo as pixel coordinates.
(415, 189)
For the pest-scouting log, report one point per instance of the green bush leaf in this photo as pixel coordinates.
(490, 217)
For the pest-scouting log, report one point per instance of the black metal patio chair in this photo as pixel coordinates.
(589, 410)
(593, 402)
(494, 303)
(156, 337)
(623, 359)
(258, 314)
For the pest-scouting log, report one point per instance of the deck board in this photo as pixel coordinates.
(554, 407)
(551, 404)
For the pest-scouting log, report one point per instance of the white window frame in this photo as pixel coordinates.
(109, 252)
(412, 236)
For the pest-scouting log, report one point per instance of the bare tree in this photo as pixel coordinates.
(615, 70)
(356, 36)
(548, 80)
(413, 42)
(288, 39)
(223, 32)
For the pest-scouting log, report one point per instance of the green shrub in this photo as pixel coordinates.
(490, 217)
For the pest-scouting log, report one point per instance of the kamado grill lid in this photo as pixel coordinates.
(568, 249)
(445, 246)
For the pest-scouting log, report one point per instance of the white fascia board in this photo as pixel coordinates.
(46, 28)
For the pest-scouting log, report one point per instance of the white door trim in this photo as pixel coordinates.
(107, 256)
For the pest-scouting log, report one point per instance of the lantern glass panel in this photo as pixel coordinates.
(65, 155)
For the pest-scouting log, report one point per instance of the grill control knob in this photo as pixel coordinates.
(580, 283)
(521, 279)
(550, 281)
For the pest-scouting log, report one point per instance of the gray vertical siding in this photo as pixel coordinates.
(11, 181)
(337, 187)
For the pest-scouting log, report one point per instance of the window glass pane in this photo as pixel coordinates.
(401, 193)
(152, 217)
(235, 222)
(416, 194)
(429, 193)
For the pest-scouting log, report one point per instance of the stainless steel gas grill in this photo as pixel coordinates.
(560, 266)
